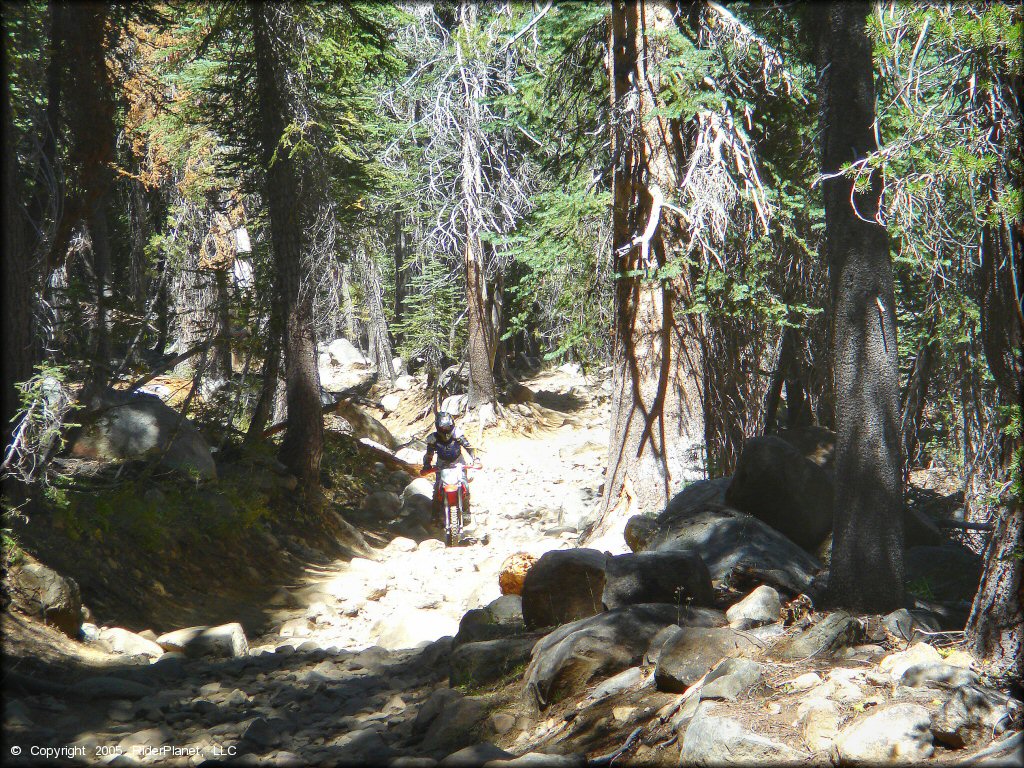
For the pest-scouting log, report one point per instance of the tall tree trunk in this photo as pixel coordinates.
(222, 346)
(657, 420)
(18, 354)
(867, 548)
(47, 194)
(381, 354)
(90, 113)
(100, 353)
(348, 309)
(995, 629)
(302, 446)
(482, 389)
(402, 252)
(914, 399)
(265, 403)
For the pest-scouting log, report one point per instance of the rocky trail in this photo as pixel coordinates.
(412, 655)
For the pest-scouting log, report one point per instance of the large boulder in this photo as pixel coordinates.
(731, 678)
(694, 498)
(122, 641)
(382, 505)
(897, 733)
(42, 592)
(480, 663)
(713, 740)
(950, 572)
(562, 586)
(727, 539)
(973, 712)
(119, 426)
(597, 647)
(224, 641)
(448, 720)
(364, 425)
(674, 576)
(501, 618)
(343, 352)
(690, 653)
(776, 484)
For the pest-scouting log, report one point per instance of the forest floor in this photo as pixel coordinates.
(348, 659)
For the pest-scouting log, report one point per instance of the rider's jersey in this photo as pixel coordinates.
(449, 451)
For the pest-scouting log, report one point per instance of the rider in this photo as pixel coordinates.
(448, 442)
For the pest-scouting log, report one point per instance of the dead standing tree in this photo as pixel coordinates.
(708, 167)
(472, 181)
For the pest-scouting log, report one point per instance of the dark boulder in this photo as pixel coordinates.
(42, 592)
(484, 662)
(775, 483)
(563, 586)
(690, 653)
(727, 539)
(950, 572)
(672, 576)
(502, 618)
(576, 654)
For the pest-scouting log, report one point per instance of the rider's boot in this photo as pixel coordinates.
(467, 516)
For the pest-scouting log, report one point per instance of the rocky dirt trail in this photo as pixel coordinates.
(355, 652)
(700, 646)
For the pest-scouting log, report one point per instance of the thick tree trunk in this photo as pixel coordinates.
(657, 425)
(47, 194)
(17, 274)
(995, 629)
(482, 388)
(90, 110)
(867, 549)
(302, 446)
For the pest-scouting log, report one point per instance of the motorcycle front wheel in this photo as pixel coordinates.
(452, 524)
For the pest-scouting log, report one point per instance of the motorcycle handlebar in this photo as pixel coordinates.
(433, 470)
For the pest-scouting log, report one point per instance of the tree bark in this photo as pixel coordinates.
(867, 549)
(302, 446)
(347, 307)
(381, 354)
(18, 355)
(90, 114)
(264, 407)
(995, 629)
(482, 388)
(657, 425)
(402, 251)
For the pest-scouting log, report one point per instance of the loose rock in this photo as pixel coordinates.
(898, 733)
(762, 606)
(711, 740)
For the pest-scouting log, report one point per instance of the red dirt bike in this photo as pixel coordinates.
(454, 487)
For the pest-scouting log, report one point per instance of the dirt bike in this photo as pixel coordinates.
(454, 488)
